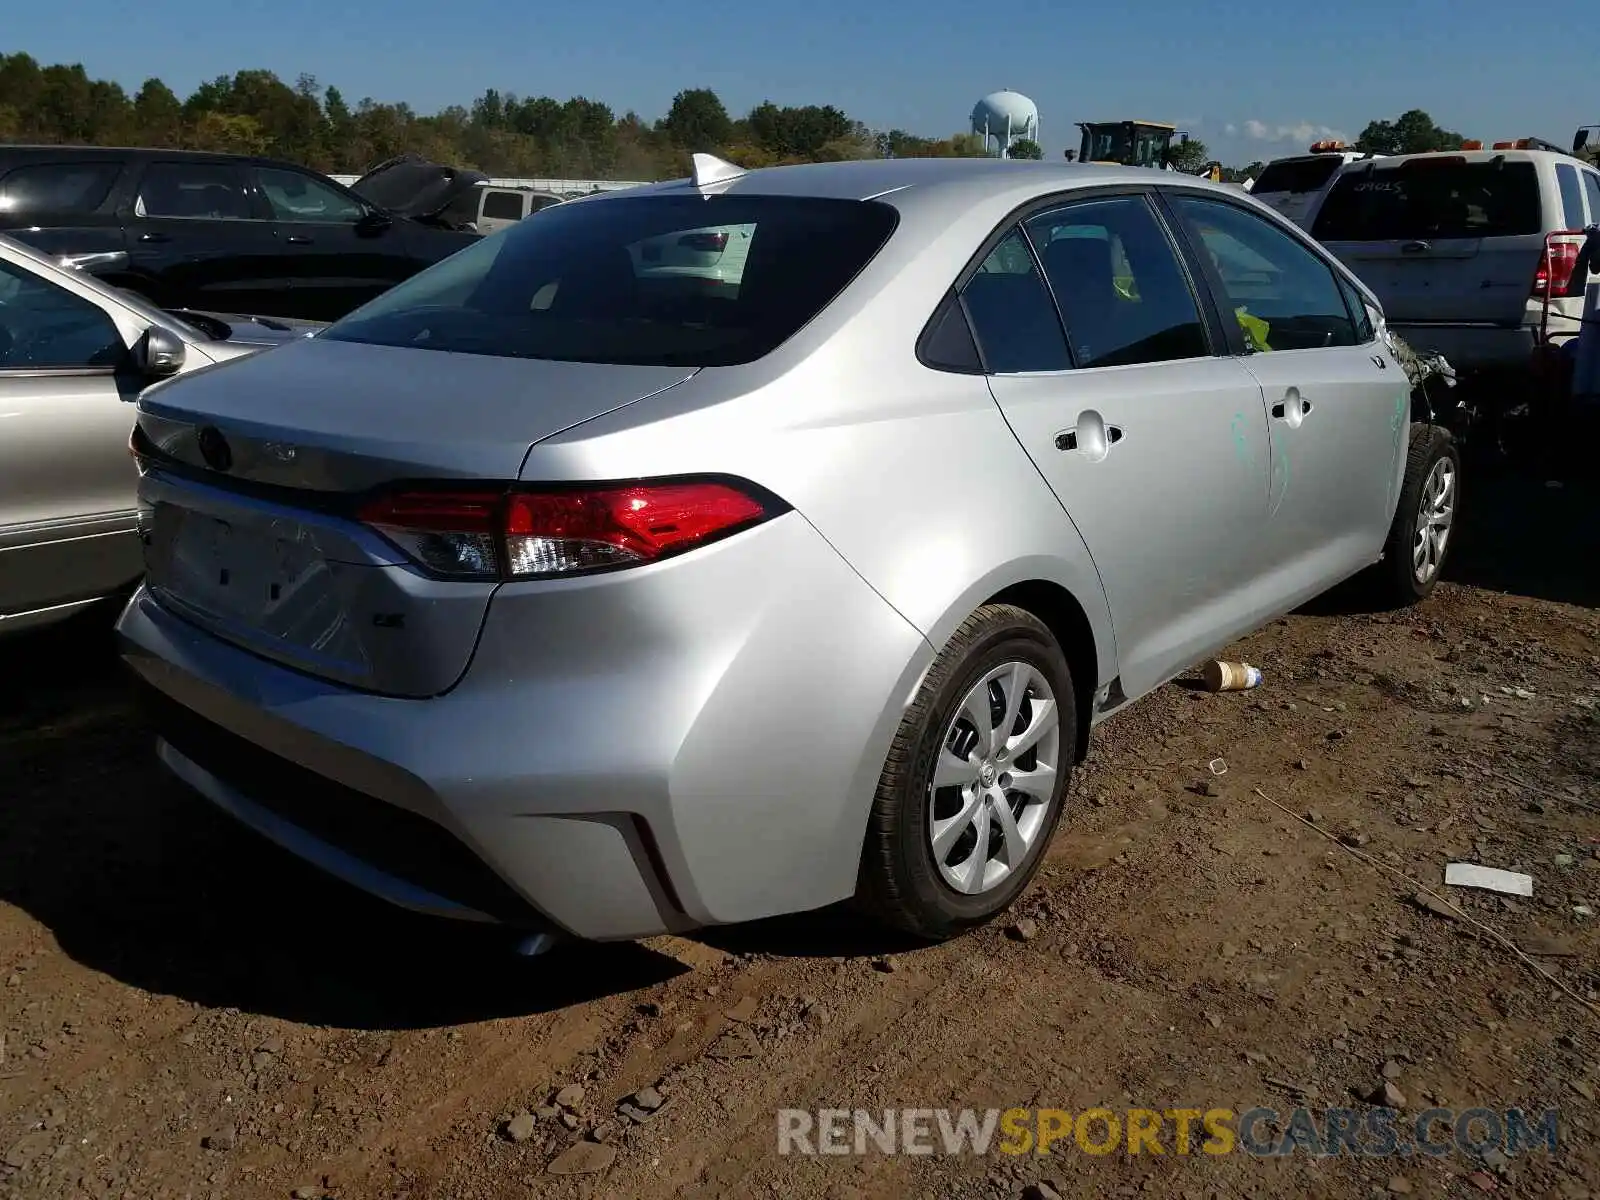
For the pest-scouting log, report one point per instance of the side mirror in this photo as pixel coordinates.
(373, 222)
(160, 352)
(1580, 140)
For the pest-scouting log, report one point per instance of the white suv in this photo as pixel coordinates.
(1463, 248)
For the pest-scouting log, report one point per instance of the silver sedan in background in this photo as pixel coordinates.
(550, 591)
(73, 352)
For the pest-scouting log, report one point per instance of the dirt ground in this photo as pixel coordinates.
(186, 1012)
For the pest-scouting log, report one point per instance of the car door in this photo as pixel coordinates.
(1339, 402)
(1154, 442)
(67, 507)
(337, 259)
(199, 234)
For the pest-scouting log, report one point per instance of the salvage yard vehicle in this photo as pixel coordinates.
(73, 352)
(219, 232)
(544, 592)
(1465, 249)
(1297, 185)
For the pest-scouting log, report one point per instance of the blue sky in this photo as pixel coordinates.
(1252, 80)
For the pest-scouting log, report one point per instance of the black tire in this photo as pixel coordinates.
(900, 883)
(1393, 579)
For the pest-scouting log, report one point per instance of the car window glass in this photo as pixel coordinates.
(295, 196)
(1431, 197)
(203, 191)
(1283, 295)
(1591, 188)
(948, 343)
(1011, 313)
(1118, 284)
(502, 206)
(44, 326)
(1357, 304)
(1571, 195)
(669, 280)
(57, 188)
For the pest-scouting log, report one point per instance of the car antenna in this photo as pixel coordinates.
(709, 169)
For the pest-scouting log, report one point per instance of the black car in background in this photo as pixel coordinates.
(230, 233)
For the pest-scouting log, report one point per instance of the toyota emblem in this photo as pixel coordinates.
(214, 448)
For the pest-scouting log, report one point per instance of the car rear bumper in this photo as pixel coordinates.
(692, 743)
(1468, 346)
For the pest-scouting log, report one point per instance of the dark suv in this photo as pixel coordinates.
(216, 232)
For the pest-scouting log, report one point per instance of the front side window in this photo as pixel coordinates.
(1117, 281)
(298, 197)
(197, 191)
(737, 276)
(57, 189)
(1283, 296)
(1357, 303)
(1011, 313)
(45, 327)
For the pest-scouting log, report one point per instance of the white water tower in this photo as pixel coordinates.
(1004, 118)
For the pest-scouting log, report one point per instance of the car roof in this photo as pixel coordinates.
(120, 153)
(916, 181)
(1474, 156)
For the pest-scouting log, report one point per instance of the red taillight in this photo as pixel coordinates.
(524, 534)
(1556, 264)
(709, 242)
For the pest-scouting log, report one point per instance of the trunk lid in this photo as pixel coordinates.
(1445, 239)
(255, 469)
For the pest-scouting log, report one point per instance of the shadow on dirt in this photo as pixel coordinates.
(139, 879)
(838, 931)
(1519, 532)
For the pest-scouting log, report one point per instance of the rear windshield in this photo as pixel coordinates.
(674, 280)
(1297, 175)
(1431, 198)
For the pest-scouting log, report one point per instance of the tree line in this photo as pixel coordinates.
(500, 133)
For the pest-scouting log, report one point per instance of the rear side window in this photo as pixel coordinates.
(57, 188)
(1297, 175)
(744, 273)
(1571, 196)
(502, 206)
(1117, 283)
(1012, 316)
(1591, 188)
(203, 191)
(1431, 198)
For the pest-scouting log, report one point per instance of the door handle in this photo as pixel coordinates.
(1092, 438)
(298, 240)
(1383, 363)
(154, 237)
(1292, 409)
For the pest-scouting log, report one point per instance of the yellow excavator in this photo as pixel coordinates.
(1135, 144)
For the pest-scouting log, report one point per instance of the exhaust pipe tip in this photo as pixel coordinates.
(536, 944)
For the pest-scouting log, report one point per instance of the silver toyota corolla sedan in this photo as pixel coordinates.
(73, 352)
(546, 591)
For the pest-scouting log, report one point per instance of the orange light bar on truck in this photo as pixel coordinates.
(1519, 144)
(1328, 147)
(1472, 144)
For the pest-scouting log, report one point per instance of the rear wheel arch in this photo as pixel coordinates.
(1069, 623)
